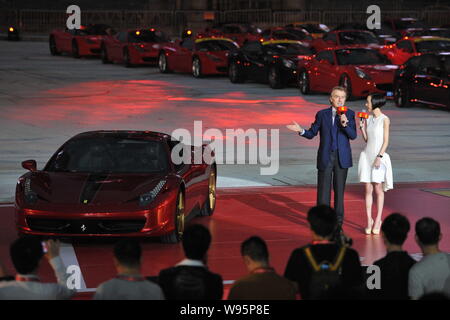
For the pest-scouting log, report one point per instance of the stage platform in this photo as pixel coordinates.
(277, 214)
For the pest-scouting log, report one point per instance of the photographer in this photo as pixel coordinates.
(26, 255)
(324, 267)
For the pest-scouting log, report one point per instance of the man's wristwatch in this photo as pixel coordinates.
(380, 156)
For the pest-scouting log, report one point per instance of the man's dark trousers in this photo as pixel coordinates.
(333, 173)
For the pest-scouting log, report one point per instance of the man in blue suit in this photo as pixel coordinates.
(334, 156)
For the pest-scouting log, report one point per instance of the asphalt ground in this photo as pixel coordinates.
(45, 100)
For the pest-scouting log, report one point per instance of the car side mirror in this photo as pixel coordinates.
(29, 165)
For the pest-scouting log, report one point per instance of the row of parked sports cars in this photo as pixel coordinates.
(361, 60)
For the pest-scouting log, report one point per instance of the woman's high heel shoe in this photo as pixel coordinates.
(368, 230)
(377, 230)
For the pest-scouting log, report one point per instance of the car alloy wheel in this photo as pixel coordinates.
(196, 68)
(274, 79)
(303, 83)
(179, 217)
(104, 55)
(210, 203)
(162, 63)
(126, 58)
(401, 97)
(75, 50)
(52, 45)
(347, 84)
(176, 235)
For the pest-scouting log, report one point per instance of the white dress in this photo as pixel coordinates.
(366, 170)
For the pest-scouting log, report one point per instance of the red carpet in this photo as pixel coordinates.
(277, 214)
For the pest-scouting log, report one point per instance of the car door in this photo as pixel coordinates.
(428, 78)
(66, 40)
(254, 54)
(402, 52)
(325, 71)
(116, 45)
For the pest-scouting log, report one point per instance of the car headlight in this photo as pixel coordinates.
(288, 64)
(30, 196)
(362, 74)
(147, 198)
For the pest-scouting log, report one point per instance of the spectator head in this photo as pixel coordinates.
(254, 251)
(338, 96)
(428, 232)
(323, 221)
(395, 229)
(127, 253)
(26, 253)
(196, 241)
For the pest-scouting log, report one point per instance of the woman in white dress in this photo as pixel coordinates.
(374, 168)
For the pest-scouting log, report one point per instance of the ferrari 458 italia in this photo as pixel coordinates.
(114, 183)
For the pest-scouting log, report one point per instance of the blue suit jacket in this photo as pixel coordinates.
(323, 124)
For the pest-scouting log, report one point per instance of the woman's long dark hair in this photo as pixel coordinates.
(378, 100)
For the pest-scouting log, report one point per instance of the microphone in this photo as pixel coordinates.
(363, 115)
(340, 111)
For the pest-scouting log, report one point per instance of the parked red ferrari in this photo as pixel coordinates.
(354, 38)
(133, 47)
(408, 47)
(241, 33)
(114, 183)
(203, 56)
(78, 42)
(360, 70)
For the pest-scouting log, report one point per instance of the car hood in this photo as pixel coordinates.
(83, 188)
(379, 73)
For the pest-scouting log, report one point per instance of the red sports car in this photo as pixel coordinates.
(78, 42)
(203, 56)
(360, 70)
(133, 47)
(408, 47)
(279, 33)
(354, 38)
(115, 183)
(240, 33)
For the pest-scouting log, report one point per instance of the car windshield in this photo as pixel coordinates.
(110, 155)
(300, 35)
(288, 49)
(216, 45)
(312, 28)
(284, 35)
(433, 46)
(360, 57)
(94, 30)
(357, 38)
(405, 24)
(146, 36)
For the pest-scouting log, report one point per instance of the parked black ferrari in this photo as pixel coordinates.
(423, 79)
(273, 62)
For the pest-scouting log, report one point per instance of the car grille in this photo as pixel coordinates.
(91, 226)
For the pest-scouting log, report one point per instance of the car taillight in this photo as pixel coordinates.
(140, 47)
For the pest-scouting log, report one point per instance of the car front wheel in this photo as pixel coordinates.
(176, 235)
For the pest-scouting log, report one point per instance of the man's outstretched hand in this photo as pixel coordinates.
(294, 127)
